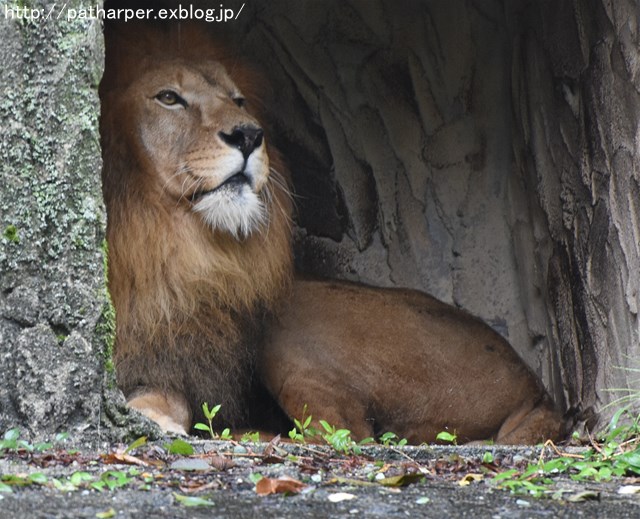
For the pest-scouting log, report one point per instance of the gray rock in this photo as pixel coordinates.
(53, 304)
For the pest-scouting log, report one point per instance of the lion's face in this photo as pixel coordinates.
(203, 148)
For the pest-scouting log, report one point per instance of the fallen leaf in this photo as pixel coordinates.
(470, 478)
(115, 458)
(138, 443)
(402, 480)
(192, 501)
(283, 485)
(338, 497)
(180, 447)
(221, 462)
(271, 446)
(108, 514)
(196, 486)
(587, 495)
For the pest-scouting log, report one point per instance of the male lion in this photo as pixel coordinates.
(200, 261)
(198, 225)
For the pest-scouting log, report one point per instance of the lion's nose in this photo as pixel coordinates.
(245, 138)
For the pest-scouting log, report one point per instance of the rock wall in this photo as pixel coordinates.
(53, 329)
(576, 105)
(485, 152)
(396, 118)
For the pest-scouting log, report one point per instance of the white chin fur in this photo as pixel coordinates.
(238, 212)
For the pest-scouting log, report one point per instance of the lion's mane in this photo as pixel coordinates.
(190, 301)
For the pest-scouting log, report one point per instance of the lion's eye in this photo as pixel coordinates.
(170, 99)
(239, 101)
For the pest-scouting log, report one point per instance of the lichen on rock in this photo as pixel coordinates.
(53, 299)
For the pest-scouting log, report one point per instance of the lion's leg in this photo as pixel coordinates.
(531, 424)
(326, 400)
(169, 410)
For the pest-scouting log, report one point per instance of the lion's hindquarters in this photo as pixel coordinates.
(391, 360)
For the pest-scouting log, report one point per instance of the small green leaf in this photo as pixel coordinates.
(192, 501)
(78, 478)
(445, 436)
(5, 488)
(138, 443)
(38, 477)
(251, 437)
(325, 425)
(108, 514)
(201, 426)
(180, 447)
(60, 437)
(487, 457)
(12, 434)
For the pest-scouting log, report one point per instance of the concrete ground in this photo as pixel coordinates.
(219, 480)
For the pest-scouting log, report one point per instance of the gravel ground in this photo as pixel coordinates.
(221, 478)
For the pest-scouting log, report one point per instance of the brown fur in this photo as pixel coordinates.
(374, 360)
(190, 301)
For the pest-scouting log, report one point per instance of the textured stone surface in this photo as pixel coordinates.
(52, 293)
(485, 152)
(403, 109)
(576, 97)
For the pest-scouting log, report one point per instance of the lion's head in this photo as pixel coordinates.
(198, 230)
(201, 147)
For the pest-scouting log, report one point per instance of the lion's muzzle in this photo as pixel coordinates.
(246, 138)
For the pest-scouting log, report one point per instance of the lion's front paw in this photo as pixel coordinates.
(169, 410)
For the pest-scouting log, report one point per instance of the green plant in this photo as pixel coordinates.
(180, 447)
(210, 414)
(136, 444)
(447, 437)
(12, 442)
(390, 439)
(111, 480)
(251, 437)
(340, 439)
(302, 428)
(8, 481)
(616, 454)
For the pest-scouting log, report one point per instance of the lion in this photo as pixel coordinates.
(374, 360)
(198, 225)
(201, 277)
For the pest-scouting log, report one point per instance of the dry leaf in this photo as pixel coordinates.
(283, 485)
(587, 495)
(221, 462)
(273, 443)
(115, 458)
(470, 478)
